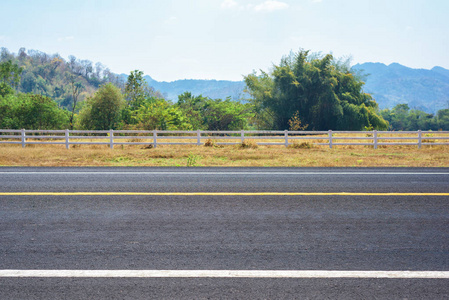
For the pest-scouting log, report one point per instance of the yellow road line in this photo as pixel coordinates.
(211, 194)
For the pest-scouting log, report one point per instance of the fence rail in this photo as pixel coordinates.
(199, 137)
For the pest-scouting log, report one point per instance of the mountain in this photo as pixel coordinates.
(49, 75)
(441, 70)
(422, 89)
(209, 88)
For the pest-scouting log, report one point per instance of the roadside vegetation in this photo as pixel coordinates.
(303, 92)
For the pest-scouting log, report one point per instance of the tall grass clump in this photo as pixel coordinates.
(248, 144)
(303, 145)
(192, 160)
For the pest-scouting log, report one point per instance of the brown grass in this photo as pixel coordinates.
(232, 156)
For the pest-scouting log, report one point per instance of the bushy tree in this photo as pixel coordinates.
(137, 90)
(443, 119)
(191, 107)
(322, 91)
(8, 115)
(30, 111)
(103, 111)
(157, 113)
(225, 114)
(214, 114)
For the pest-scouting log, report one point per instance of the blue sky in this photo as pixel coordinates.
(226, 39)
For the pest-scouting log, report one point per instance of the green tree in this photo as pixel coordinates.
(137, 94)
(103, 111)
(30, 111)
(9, 77)
(443, 119)
(157, 113)
(225, 114)
(137, 89)
(214, 114)
(76, 88)
(420, 120)
(8, 107)
(401, 117)
(322, 92)
(191, 107)
(28, 83)
(398, 117)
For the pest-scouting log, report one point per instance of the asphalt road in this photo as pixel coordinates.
(226, 232)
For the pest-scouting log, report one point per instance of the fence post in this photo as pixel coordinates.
(330, 139)
(286, 138)
(242, 136)
(67, 139)
(198, 136)
(154, 138)
(419, 139)
(375, 138)
(23, 138)
(111, 138)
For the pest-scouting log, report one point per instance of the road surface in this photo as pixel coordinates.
(273, 222)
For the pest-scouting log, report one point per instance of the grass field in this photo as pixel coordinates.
(226, 156)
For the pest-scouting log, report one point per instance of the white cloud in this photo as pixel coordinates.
(317, 1)
(270, 5)
(228, 4)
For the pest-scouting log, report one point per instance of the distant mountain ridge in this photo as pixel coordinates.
(426, 90)
(215, 89)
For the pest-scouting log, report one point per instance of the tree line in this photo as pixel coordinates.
(304, 91)
(401, 117)
(140, 107)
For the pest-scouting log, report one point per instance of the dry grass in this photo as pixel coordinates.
(230, 156)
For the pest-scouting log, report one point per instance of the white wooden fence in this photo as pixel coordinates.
(158, 137)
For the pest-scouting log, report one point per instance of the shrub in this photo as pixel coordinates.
(248, 144)
(303, 145)
(209, 143)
